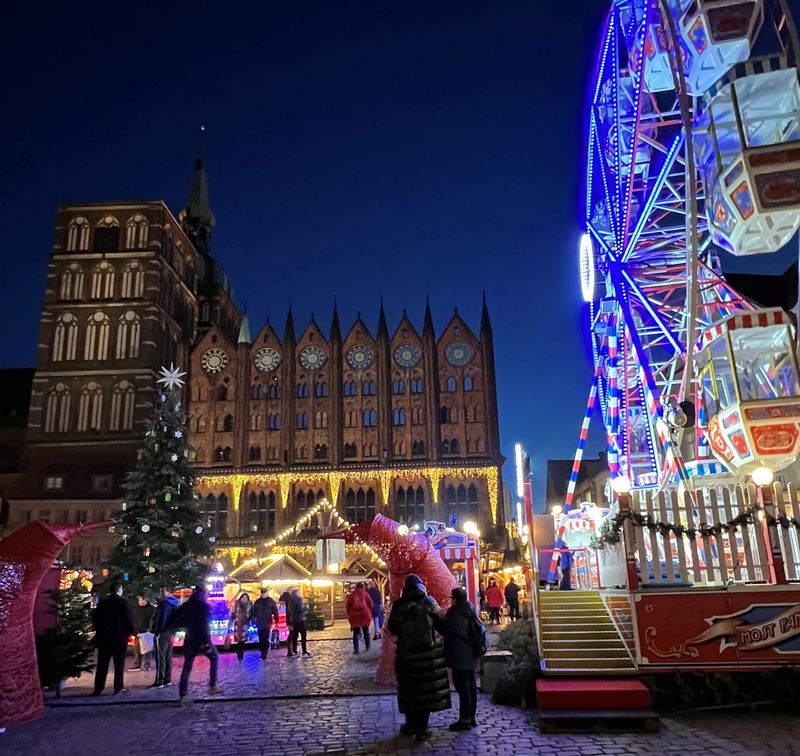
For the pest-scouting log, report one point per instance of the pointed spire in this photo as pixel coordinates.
(383, 329)
(336, 330)
(288, 331)
(244, 330)
(427, 326)
(486, 323)
(196, 217)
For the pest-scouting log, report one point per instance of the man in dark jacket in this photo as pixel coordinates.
(288, 603)
(458, 629)
(422, 684)
(113, 626)
(194, 617)
(142, 616)
(512, 599)
(265, 611)
(162, 636)
(377, 608)
(298, 622)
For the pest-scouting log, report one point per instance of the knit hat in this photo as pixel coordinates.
(413, 582)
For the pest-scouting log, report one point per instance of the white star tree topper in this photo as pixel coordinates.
(171, 377)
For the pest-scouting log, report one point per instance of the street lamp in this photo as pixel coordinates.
(470, 528)
(762, 476)
(556, 510)
(621, 484)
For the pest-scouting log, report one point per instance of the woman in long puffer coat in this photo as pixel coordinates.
(422, 684)
(242, 611)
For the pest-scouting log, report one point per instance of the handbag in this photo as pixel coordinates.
(145, 642)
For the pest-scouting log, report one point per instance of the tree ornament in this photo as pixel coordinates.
(163, 397)
(178, 434)
(212, 539)
(177, 406)
(145, 528)
(124, 505)
(168, 496)
(147, 551)
(198, 530)
(171, 378)
(174, 457)
(151, 568)
(151, 500)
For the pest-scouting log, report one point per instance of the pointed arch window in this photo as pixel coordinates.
(350, 450)
(78, 235)
(416, 385)
(360, 505)
(274, 390)
(90, 407)
(274, 421)
(418, 448)
(321, 451)
(133, 280)
(417, 416)
(65, 338)
(103, 277)
(350, 388)
(321, 419)
(222, 393)
(369, 418)
(56, 416)
(399, 417)
(257, 391)
(255, 453)
(215, 513)
(368, 388)
(95, 346)
(321, 387)
(123, 406)
(410, 505)
(227, 424)
(444, 415)
(261, 512)
(106, 235)
(302, 390)
(138, 232)
(398, 387)
(128, 332)
(72, 280)
(468, 383)
(255, 421)
(451, 384)
(302, 421)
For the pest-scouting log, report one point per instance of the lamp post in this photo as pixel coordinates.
(762, 478)
(621, 485)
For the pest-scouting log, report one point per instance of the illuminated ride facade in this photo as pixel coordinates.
(693, 147)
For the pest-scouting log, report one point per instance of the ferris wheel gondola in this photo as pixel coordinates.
(693, 146)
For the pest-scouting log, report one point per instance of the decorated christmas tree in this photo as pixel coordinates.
(315, 619)
(66, 650)
(163, 536)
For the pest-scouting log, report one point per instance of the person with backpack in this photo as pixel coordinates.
(359, 615)
(464, 643)
(422, 684)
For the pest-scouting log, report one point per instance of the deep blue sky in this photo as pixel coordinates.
(356, 149)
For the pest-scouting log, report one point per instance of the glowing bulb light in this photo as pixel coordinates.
(762, 476)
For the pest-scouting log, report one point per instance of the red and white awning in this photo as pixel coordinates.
(752, 319)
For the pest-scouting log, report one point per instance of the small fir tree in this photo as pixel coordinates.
(315, 619)
(163, 536)
(66, 650)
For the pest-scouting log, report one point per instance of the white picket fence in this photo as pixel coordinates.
(740, 556)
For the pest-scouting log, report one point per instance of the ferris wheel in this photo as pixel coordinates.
(693, 146)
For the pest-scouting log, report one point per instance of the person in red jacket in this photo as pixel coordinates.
(359, 615)
(494, 597)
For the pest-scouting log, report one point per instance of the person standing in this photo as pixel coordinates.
(494, 597)
(113, 625)
(459, 628)
(265, 611)
(377, 608)
(242, 610)
(194, 617)
(359, 614)
(565, 562)
(162, 636)
(511, 593)
(422, 684)
(298, 613)
(286, 599)
(142, 616)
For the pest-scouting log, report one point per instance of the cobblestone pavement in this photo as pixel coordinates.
(294, 707)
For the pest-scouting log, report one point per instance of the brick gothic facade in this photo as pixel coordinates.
(403, 422)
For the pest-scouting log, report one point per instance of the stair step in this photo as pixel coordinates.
(583, 653)
(576, 662)
(582, 643)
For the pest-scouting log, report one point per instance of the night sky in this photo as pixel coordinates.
(354, 149)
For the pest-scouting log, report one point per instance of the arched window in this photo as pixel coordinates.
(56, 416)
(399, 417)
(307, 499)
(169, 244)
(410, 505)
(418, 416)
(128, 330)
(106, 235)
(132, 280)
(321, 419)
(72, 282)
(399, 387)
(226, 454)
(274, 390)
(78, 235)
(261, 512)
(65, 338)
(370, 450)
(470, 413)
(215, 513)
(255, 421)
(302, 420)
(95, 346)
(445, 446)
(468, 383)
(360, 505)
(416, 385)
(255, 453)
(418, 448)
(227, 424)
(302, 390)
(349, 450)
(444, 415)
(90, 407)
(451, 384)
(369, 418)
(274, 421)
(321, 388)
(123, 406)
(350, 388)
(222, 393)
(138, 232)
(321, 451)
(368, 388)
(103, 277)
(454, 446)
(257, 391)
